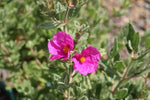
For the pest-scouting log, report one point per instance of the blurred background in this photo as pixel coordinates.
(25, 69)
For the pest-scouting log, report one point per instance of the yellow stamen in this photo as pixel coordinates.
(82, 59)
(65, 49)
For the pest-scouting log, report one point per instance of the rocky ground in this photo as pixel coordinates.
(138, 14)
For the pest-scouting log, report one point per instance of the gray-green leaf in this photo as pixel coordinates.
(119, 65)
(121, 93)
(50, 25)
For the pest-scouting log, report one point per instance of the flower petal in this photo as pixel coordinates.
(53, 57)
(63, 39)
(66, 56)
(90, 65)
(55, 46)
(91, 51)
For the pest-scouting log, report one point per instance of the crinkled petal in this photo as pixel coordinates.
(63, 39)
(53, 48)
(84, 68)
(91, 51)
(53, 57)
(90, 60)
(90, 65)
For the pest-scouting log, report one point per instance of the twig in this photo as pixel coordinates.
(123, 78)
(38, 62)
(70, 80)
(132, 75)
(127, 70)
(59, 22)
(114, 89)
(117, 73)
(65, 19)
(136, 71)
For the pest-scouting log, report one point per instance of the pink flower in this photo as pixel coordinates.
(87, 61)
(60, 46)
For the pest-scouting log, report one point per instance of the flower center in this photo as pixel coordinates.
(82, 59)
(65, 49)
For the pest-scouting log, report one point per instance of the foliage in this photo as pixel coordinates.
(25, 28)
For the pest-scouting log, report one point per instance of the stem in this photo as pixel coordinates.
(126, 72)
(70, 80)
(123, 78)
(136, 71)
(117, 73)
(120, 82)
(68, 94)
(65, 19)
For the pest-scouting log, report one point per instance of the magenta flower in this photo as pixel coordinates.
(60, 46)
(87, 61)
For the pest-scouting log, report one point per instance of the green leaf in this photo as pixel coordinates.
(82, 2)
(129, 47)
(119, 66)
(120, 46)
(119, 13)
(59, 8)
(73, 12)
(62, 87)
(131, 32)
(146, 38)
(143, 71)
(144, 53)
(121, 93)
(116, 57)
(98, 89)
(110, 71)
(125, 3)
(132, 39)
(83, 27)
(83, 98)
(50, 25)
(114, 50)
(147, 42)
(135, 42)
(65, 78)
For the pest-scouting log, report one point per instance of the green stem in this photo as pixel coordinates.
(65, 19)
(70, 80)
(123, 78)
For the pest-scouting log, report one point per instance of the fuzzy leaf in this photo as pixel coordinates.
(50, 25)
(135, 42)
(121, 93)
(119, 65)
(114, 50)
(142, 72)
